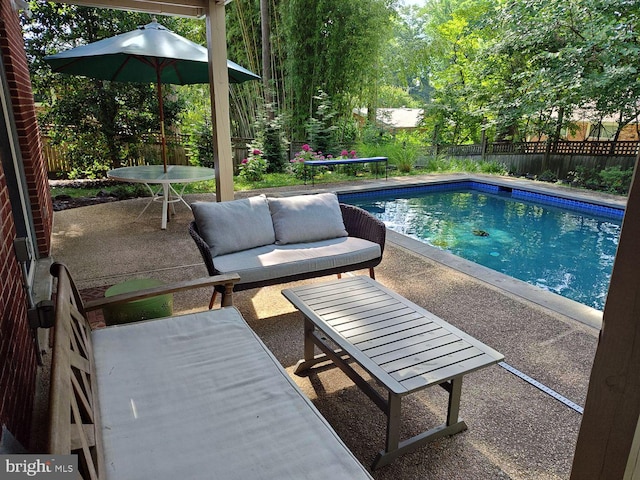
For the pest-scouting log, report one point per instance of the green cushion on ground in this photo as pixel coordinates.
(144, 309)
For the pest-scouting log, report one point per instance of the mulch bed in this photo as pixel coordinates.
(63, 202)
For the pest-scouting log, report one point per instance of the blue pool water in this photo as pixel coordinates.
(563, 246)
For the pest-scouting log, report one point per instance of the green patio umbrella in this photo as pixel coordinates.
(148, 54)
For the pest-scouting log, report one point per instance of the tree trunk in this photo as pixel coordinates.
(556, 136)
(265, 21)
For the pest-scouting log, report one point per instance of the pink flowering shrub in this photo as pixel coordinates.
(253, 168)
(306, 154)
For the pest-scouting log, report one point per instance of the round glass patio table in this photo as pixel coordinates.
(155, 175)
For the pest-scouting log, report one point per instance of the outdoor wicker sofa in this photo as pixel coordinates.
(269, 241)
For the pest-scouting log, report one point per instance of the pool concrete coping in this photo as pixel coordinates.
(582, 313)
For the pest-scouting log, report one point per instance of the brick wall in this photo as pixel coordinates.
(18, 366)
(15, 62)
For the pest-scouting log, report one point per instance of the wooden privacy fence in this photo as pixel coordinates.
(146, 151)
(595, 148)
(560, 157)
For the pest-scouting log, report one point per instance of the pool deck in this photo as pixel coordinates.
(515, 430)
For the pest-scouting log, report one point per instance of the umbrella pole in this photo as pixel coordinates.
(163, 139)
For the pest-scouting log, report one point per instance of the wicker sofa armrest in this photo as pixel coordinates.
(204, 249)
(360, 223)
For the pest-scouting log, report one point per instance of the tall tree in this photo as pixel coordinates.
(405, 62)
(332, 46)
(455, 34)
(265, 22)
(568, 55)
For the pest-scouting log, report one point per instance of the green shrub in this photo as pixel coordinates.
(616, 180)
(200, 144)
(135, 190)
(403, 156)
(253, 168)
(548, 176)
(494, 168)
(438, 163)
(585, 177)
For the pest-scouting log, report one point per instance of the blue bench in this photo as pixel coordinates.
(343, 161)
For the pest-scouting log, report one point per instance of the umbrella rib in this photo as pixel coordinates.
(158, 65)
(122, 65)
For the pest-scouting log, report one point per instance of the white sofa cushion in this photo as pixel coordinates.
(306, 218)
(276, 261)
(234, 225)
(200, 396)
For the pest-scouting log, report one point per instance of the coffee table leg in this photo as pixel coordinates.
(309, 350)
(395, 447)
(393, 422)
(455, 393)
(312, 337)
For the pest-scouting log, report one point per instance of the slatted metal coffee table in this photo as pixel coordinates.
(404, 347)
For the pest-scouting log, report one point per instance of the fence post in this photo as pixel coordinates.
(547, 154)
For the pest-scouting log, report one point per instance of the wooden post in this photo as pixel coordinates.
(612, 411)
(219, 85)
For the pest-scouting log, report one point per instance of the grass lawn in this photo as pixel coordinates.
(271, 180)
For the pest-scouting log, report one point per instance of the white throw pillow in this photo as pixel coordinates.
(306, 218)
(235, 225)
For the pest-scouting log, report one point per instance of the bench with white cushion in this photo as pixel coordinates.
(185, 397)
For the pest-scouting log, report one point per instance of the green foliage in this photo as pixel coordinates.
(617, 180)
(547, 176)
(390, 96)
(84, 151)
(493, 168)
(200, 144)
(553, 57)
(320, 128)
(405, 65)
(273, 144)
(135, 190)
(271, 141)
(611, 179)
(404, 152)
(334, 46)
(585, 177)
(375, 136)
(403, 157)
(443, 164)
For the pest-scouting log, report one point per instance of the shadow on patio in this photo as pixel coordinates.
(515, 430)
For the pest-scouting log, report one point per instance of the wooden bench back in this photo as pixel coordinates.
(74, 426)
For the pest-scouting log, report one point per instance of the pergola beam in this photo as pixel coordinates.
(180, 8)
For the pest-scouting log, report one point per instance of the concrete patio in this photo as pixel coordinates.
(515, 429)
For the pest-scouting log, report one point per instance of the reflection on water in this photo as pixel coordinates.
(563, 251)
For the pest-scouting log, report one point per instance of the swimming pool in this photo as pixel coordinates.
(561, 245)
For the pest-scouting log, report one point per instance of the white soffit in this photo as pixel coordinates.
(181, 8)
